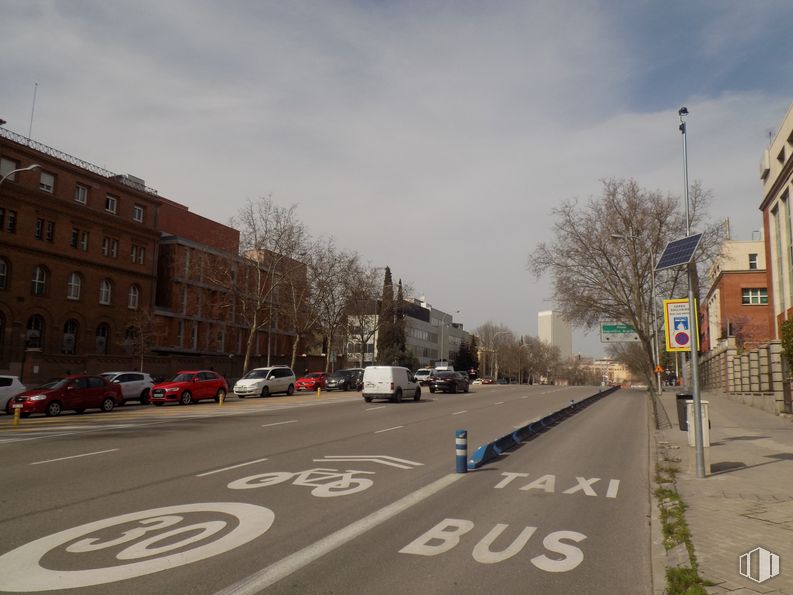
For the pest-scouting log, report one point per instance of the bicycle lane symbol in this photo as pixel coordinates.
(326, 483)
(152, 540)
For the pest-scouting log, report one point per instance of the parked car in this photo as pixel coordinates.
(476, 381)
(9, 386)
(448, 382)
(345, 379)
(265, 382)
(488, 380)
(423, 376)
(135, 386)
(389, 382)
(190, 386)
(75, 393)
(311, 381)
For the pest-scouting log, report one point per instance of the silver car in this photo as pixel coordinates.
(263, 382)
(135, 386)
(9, 386)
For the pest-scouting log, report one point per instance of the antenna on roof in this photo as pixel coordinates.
(32, 110)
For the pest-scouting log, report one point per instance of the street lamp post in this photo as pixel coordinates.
(11, 173)
(692, 313)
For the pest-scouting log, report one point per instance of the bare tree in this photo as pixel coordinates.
(598, 276)
(363, 321)
(141, 334)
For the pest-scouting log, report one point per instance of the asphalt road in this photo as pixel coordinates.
(329, 495)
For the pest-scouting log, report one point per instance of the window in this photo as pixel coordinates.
(754, 296)
(130, 339)
(137, 213)
(12, 222)
(84, 241)
(180, 333)
(75, 237)
(102, 333)
(132, 297)
(49, 233)
(6, 167)
(194, 335)
(138, 254)
(110, 247)
(3, 274)
(39, 281)
(70, 333)
(753, 262)
(111, 204)
(34, 337)
(105, 292)
(114, 248)
(81, 194)
(47, 182)
(73, 286)
(39, 230)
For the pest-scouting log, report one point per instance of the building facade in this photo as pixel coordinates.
(555, 330)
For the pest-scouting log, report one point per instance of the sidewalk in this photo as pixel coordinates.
(746, 499)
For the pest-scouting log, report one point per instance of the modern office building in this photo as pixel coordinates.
(554, 330)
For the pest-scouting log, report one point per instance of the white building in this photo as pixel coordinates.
(555, 330)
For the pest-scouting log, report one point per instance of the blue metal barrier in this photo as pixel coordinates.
(490, 450)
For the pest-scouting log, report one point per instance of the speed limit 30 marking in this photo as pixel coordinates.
(152, 544)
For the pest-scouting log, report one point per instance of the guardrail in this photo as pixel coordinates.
(491, 450)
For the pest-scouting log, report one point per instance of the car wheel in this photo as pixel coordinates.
(291, 390)
(466, 388)
(398, 396)
(108, 404)
(432, 389)
(186, 398)
(417, 396)
(144, 397)
(453, 388)
(9, 408)
(221, 395)
(54, 409)
(266, 391)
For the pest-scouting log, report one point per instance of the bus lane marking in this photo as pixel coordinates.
(547, 483)
(388, 429)
(87, 454)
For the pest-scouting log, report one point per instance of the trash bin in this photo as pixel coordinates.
(682, 410)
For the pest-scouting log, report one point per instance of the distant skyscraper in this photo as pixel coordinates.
(556, 331)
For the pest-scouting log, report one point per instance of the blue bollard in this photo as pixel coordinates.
(461, 449)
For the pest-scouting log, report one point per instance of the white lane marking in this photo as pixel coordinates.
(388, 429)
(460, 412)
(499, 403)
(526, 397)
(382, 459)
(87, 454)
(375, 408)
(280, 423)
(300, 559)
(23, 571)
(229, 468)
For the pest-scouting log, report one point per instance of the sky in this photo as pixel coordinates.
(434, 137)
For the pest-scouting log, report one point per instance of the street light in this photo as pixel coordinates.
(656, 338)
(11, 173)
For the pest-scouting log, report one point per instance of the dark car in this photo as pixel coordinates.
(448, 382)
(346, 379)
(75, 393)
(190, 386)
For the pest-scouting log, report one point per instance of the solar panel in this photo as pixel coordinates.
(679, 252)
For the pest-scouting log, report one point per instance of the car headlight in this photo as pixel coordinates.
(37, 397)
(171, 389)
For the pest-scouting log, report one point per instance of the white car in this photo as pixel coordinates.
(135, 386)
(9, 386)
(390, 382)
(266, 381)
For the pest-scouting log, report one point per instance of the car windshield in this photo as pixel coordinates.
(422, 373)
(336, 376)
(107, 376)
(182, 378)
(256, 374)
(445, 374)
(53, 383)
(314, 375)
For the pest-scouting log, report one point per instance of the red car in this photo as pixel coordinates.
(190, 386)
(312, 381)
(75, 393)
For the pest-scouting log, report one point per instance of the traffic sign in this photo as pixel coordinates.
(616, 332)
(678, 325)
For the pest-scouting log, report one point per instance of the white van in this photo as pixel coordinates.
(389, 382)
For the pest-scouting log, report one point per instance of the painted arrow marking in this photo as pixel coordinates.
(382, 459)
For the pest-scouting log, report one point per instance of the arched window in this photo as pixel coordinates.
(130, 340)
(34, 337)
(105, 291)
(102, 335)
(39, 281)
(73, 286)
(70, 332)
(3, 273)
(133, 297)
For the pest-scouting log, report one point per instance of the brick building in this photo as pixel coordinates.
(98, 271)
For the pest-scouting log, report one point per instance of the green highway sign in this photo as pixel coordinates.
(613, 332)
